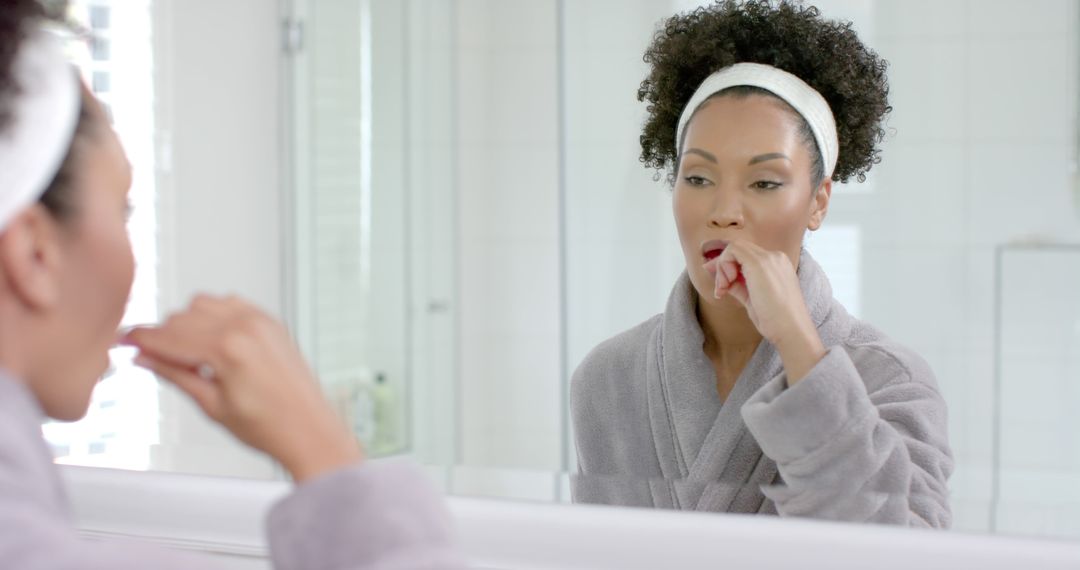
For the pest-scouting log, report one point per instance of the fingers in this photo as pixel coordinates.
(740, 293)
(184, 341)
(191, 337)
(730, 268)
(204, 391)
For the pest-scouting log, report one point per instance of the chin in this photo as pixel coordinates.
(70, 411)
(68, 397)
(71, 417)
(703, 283)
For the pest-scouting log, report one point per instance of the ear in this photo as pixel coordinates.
(819, 205)
(31, 258)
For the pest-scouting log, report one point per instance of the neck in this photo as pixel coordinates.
(726, 327)
(15, 343)
(13, 360)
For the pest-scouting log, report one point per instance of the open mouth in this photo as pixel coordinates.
(711, 250)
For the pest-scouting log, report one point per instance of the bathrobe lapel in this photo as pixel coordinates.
(706, 453)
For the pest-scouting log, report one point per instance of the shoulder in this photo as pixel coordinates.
(901, 385)
(883, 361)
(614, 360)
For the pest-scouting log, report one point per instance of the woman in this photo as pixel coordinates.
(754, 391)
(66, 269)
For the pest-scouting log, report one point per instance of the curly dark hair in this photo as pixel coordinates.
(17, 20)
(826, 54)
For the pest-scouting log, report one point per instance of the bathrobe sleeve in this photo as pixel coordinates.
(861, 439)
(369, 516)
(377, 515)
(33, 540)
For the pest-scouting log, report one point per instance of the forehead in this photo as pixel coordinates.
(743, 125)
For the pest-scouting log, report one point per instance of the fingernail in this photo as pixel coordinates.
(123, 336)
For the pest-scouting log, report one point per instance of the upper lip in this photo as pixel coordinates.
(713, 245)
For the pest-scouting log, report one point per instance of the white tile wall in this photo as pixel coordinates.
(919, 19)
(508, 214)
(1040, 452)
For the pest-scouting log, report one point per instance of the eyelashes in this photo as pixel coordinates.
(766, 185)
(761, 185)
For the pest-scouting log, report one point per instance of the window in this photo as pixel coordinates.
(122, 423)
(100, 48)
(101, 83)
(99, 17)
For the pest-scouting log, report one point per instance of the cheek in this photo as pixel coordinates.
(689, 220)
(122, 272)
(687, 215)
(111, 269)
(779, 222)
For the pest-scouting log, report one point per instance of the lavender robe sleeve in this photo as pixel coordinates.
(861, 439)
(372, 516)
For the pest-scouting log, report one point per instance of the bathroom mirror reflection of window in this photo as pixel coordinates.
(126, 400)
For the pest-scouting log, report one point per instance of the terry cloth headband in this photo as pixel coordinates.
(803, 98)
(44, 114)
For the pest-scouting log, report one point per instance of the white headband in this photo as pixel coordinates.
(44, 114)
(803, 98)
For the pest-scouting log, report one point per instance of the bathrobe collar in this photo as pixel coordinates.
(703, 442)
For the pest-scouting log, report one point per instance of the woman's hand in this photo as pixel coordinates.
(244, 371)
(766, 284)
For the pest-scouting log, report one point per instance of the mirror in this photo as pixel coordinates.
(465, 219)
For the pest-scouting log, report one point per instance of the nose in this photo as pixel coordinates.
(727, 211)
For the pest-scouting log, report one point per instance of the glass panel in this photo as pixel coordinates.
(101, 49)
(100, 17)
(357, 174)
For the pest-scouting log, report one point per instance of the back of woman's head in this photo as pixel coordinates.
(66, 265)
(18, 20)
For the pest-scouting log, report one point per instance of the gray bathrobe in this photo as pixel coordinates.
(367, 516)
(862, 438)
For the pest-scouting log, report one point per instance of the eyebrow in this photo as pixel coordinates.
(698, 151)
(759, 158)
(770, 156)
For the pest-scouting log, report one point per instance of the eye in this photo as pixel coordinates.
(766, 185)
(696, 181)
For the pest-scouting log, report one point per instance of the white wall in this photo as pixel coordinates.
(976, 161)
(1040, 356)
(218, 111)
(623, 254)
(431, 172)
(508, 164)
